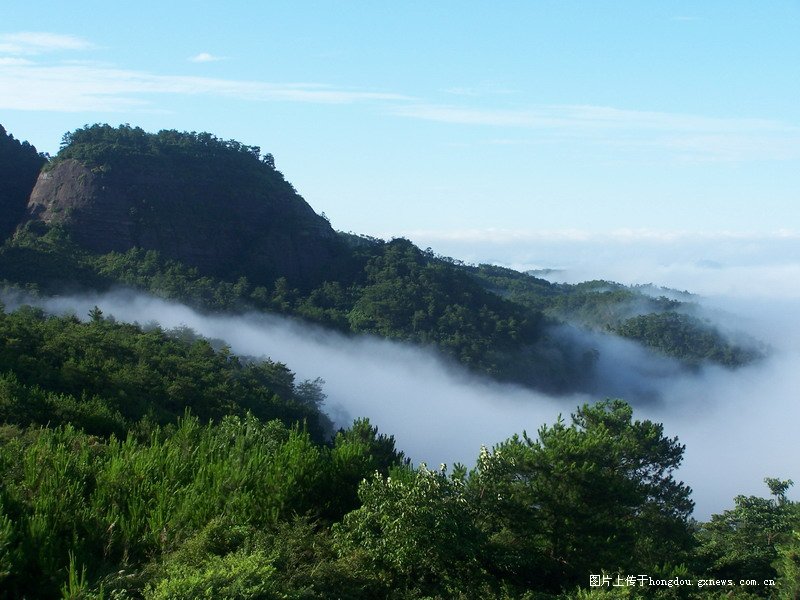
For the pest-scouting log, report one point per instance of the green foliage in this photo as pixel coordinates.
(121, 503)
(688, 338)
(356, 451)
(605, 303)
(77, 586)
(744, 542)
(533, 515)
(787, 566)
(415, 531)
(521, 288)
(104, 376)
(147, 270)
(45, 259)
(237, 576)
(81, 514)
(411, 296)
(104, 147)
(603, 493)
(399, 292)
(29, 404)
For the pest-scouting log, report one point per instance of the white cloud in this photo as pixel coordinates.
(37, 42)
(692, 137)
(73, 88)
(587, 117)
(92, 86)
(204, 57)
(14, 61)
(482, 90)
(477, 116)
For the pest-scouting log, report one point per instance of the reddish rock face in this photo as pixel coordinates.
(225, 226)
(73, 196)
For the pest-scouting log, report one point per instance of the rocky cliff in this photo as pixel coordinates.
(210, 204)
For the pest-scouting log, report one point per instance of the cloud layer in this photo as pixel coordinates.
(79, 88)
(738, 426)
(39, 42)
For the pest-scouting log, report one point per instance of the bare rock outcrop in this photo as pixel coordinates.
(223, 221)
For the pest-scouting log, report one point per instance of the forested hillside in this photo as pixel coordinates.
(110, 491)
(112, 378)
(648, 315)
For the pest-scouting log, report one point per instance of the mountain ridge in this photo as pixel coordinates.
(190, 217)
(214, 205)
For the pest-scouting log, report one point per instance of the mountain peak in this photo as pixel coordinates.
(216, 205)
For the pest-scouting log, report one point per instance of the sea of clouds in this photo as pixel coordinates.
(738, 426)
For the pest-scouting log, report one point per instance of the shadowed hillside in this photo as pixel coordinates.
(19, 166)
(212, 204)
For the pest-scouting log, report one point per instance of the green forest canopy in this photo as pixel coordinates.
(120, 495)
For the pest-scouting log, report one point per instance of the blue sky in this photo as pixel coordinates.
(449, 120)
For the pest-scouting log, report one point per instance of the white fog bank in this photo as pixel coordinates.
(738, 426)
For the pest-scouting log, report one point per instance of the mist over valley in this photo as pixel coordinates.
(173, 290)
(734, 422)
(604, 316)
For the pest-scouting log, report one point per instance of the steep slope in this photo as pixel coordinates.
(20, 163)
(214, 205)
